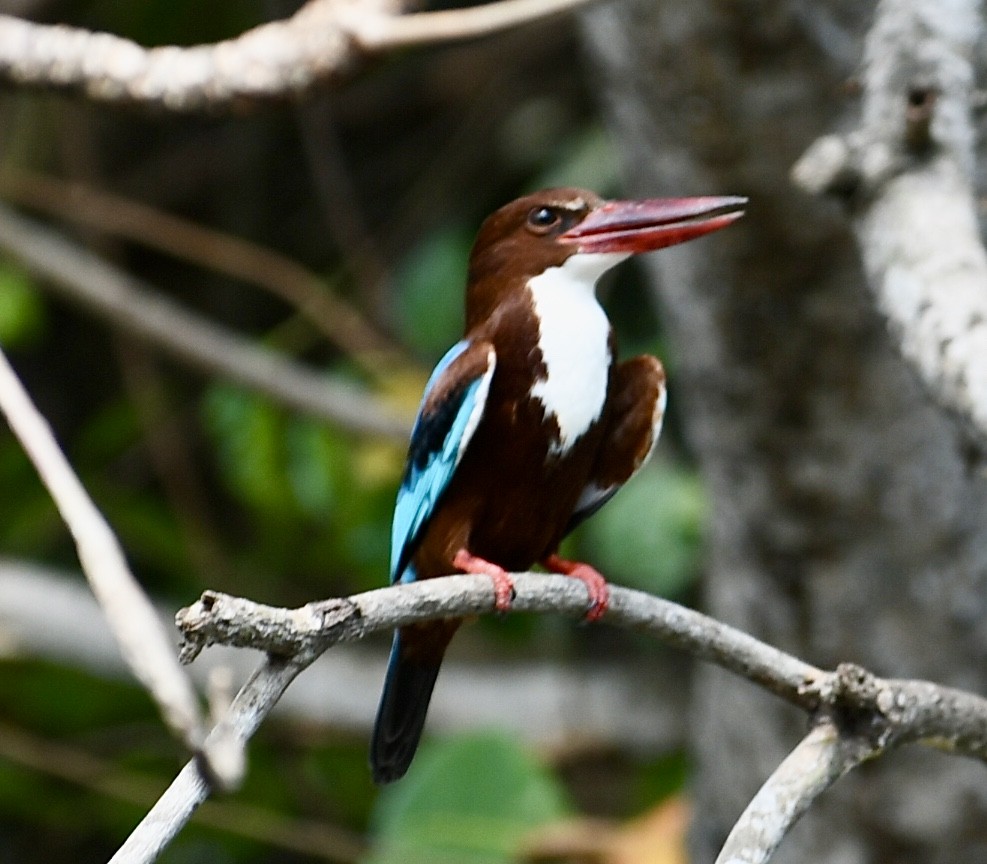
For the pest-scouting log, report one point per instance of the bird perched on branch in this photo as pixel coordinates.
(529, 424)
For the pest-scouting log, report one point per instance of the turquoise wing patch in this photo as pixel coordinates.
(439, 438)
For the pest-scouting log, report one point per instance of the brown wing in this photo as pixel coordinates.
(634, 417)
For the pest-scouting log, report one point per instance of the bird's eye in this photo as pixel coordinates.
(541, 220)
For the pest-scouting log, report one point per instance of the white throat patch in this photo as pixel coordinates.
(574, 339)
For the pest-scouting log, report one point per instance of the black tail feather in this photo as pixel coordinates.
(401, 715)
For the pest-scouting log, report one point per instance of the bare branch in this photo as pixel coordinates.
(907, 174)
(142, 639)
(890, 712)
(295, 637)
(819, 760)
(556, 706)
(861, 716)
(272, 60)
(222, 619)
(101, 775)
(896, 711)
(125, 301)
(189, 789)
(328, 312)
(309, 630)
(283, 58)
(376, 32)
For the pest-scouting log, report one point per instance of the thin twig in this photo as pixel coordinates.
(168, 446)
(189, 789)
(340, 322)
(102, 776)
(383, 32)
(140, 634)
(125, 301)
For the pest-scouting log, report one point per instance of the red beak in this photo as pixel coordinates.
(642, 226)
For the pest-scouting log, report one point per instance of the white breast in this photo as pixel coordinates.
(574, 338)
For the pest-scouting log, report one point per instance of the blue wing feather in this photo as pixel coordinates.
(438, 440)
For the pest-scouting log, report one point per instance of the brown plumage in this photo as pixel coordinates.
(528, 425)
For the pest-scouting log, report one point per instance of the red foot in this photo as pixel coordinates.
(502, 582)
(596, 585)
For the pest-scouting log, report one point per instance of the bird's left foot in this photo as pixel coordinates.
(503, 584)
(596, 585)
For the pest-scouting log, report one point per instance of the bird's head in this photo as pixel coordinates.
(578, 229)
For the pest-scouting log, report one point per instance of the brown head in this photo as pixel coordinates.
(531, 234)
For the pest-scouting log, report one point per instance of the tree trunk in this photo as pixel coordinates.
(848, 518)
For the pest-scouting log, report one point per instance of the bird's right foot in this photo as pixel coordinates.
(504, 592)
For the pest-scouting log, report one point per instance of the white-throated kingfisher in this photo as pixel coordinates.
(528, 425)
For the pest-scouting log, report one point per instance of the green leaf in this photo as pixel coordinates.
(470, 800)
(649, 536)
(21, 309)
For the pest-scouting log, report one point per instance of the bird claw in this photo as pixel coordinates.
(504, 591)
(596, 585)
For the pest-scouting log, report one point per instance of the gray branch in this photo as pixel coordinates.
(598, 705)
(816, 763)
(300, 633)
(126, 302)
(858, 715)
(142, 639)
(280, 59)
(190, 788)
(275, 59)
(906, 174)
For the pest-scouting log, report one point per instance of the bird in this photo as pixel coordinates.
(529, 424)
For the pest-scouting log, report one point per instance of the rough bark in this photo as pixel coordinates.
(848, 522)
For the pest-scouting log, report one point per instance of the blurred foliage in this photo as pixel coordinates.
(441, 814)
(313, 496)
(649, 535)
(383, 180)
(429, 291)
(21, 310)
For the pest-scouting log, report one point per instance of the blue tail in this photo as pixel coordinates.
(403, 705)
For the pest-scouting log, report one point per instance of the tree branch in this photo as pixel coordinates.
(869, 714)
(329, 313)
(906, 174)
(819, 760)
(190, 789)
(142, 638)
(118, 297)
(320, 42)
(99, 774)
(555, 706)
(221, 619)
(860, 717)
(376, 32)
(305, 632)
